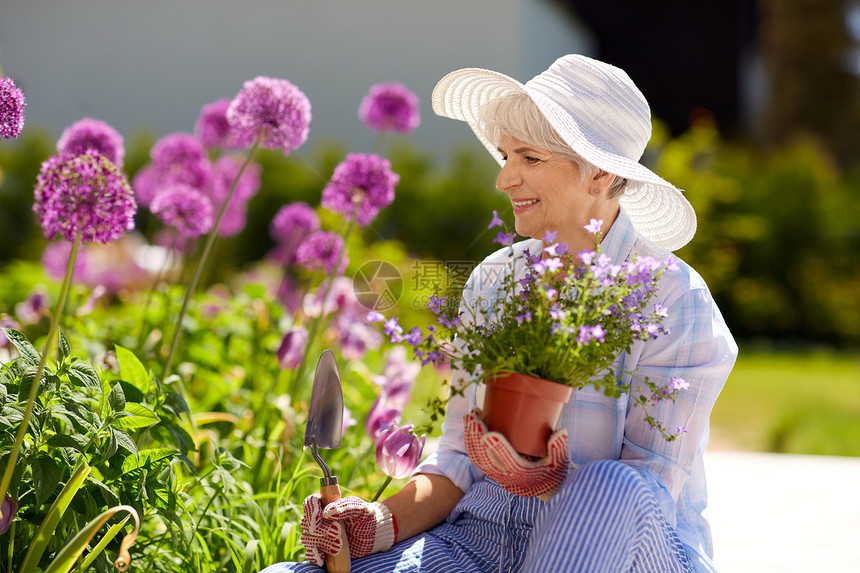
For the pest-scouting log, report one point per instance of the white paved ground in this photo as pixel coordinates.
(782, 513)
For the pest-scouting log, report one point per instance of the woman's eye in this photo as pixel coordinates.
(530, 159)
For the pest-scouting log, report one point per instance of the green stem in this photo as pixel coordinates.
(381, 489)
(34, 386)
(189, 292)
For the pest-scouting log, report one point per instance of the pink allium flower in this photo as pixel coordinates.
(9, 509)
(390, 106)
(181, 158)
(212, 128)
(273, 109)
(224, 173)
(398, 451)
(293, 221)
(12, 104)
(360, 186)
(89, 133)
(84, 194)
(145, 184)
(55, 260)
(321, 250)
(234, 220)
(292, 347)
(186, 209)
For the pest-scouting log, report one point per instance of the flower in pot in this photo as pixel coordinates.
(555, 321)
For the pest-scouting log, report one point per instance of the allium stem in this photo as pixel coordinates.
(192, 286)
(34, 386)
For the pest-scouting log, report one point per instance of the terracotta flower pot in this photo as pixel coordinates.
(524, 409)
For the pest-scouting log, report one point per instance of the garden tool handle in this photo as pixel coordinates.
(341, 562)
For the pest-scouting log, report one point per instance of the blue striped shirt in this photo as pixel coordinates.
(698, 348)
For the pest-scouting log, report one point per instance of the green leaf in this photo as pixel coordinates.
(109, 495)
(82, 374)
(46, 477)
(132, 370)
(116, 398)
(27, 351)
(124, 441)
(76, 441)
(27, 381)
(132, 392)
(63, 348)
(146, 457)
(136, 416)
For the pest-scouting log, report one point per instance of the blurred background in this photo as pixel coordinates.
(757, 117)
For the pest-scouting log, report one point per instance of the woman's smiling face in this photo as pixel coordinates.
(546, 191)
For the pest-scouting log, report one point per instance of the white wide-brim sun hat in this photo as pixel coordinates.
(601, 115)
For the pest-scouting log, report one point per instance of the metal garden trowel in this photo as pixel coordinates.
(324, 429)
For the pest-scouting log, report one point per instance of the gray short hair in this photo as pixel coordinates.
(517, 116)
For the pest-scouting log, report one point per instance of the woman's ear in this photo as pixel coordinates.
(602, 180)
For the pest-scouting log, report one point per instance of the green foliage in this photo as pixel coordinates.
(791, 401)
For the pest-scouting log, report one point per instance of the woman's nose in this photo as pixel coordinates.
(507, 178)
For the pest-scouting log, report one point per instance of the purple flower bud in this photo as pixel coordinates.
(398, 451)
(292, 347)
(495, 221)
(9, 508)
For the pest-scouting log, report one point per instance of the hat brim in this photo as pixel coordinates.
(658, 210)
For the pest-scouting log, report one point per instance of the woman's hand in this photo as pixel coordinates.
(370, 528)
(495, 456)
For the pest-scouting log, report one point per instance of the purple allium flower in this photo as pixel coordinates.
(321, 250)
(290, 225)
(381, 416)
(390, 106)
(273, 109)
(292, 347)
(234, 220)
(9, 508)
(145, 184)
(84, 194)
(361, 186)
(34, 308)
(224, 173)
(89, 133)
(12, 104)
(181, 158)
(594, 226)
(186, 209)
(55, 260)
(495, 221)
(398, 451)
(212, 128)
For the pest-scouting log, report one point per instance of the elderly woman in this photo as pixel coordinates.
(615, 496)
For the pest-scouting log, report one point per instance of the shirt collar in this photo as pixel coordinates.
(619, 241)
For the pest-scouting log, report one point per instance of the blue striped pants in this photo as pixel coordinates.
(604, 519)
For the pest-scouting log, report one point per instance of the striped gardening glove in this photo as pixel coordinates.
(495, 456)
(370, 528)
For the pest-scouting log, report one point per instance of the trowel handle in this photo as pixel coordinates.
(339, 563)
